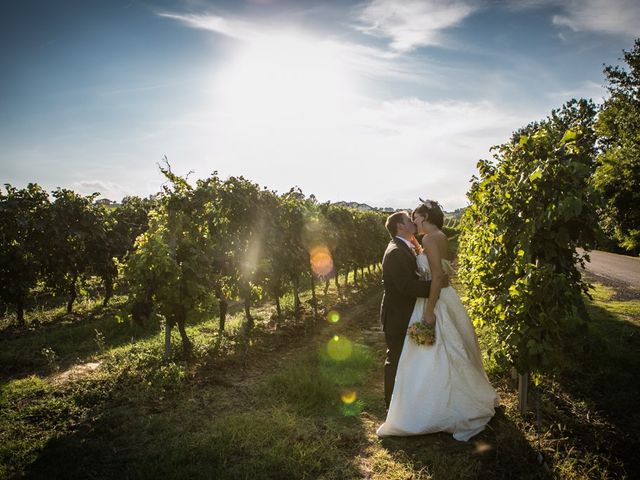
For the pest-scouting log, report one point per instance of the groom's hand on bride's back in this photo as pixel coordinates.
(444, 282)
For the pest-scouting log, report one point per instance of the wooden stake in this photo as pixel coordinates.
(523, 392)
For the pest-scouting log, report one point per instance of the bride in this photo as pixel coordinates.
(442, 387)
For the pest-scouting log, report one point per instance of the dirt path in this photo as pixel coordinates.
(423, 456)
(274, 351)
(75, 372)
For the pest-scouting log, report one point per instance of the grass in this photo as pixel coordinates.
(68, 338)
(597, 394)
(302, 401)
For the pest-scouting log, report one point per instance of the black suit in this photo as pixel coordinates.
(402, 286)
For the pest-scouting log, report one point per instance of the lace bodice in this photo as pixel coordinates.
(425, 271)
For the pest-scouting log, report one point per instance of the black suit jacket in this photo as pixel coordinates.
(402, 286)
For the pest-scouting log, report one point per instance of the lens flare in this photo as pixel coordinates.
(348, 397)
(351, 409)
(482, 447)
(333, 316)
(339, 348)
(321, 261)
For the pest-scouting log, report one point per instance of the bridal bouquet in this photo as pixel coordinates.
(422, 334)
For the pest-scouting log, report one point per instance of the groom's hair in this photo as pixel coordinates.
(392, 222)
(433, 215)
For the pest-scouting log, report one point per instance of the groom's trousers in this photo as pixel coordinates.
(394, 349)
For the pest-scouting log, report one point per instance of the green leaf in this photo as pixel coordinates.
(569, 136)
(536, 378)
(535, 175)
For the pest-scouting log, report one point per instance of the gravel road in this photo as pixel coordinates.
(619, 271)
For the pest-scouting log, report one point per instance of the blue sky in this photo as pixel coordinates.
(377, 101)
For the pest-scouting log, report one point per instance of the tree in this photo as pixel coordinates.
(114, 240)
(75, 228)
(618, 174)
(170, 268)
(131, 219)
(101, 245)
(315, 241)
(340, 220)
(238, 204)
(530, 209)
(373, 237)
(216, 226)
(23, 241)
(273, 265)
(576, 114)
(296, 256)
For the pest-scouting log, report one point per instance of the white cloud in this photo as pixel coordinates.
(290, 104)
(586, 89)
(526, 4)
(366, 60)
(408, 23)
(438, 143)
(385, 153)
(413, 23)
(605, 16)
(339, 143)
(289, 109)
(234, 28)
(110, 190)
(614, 17)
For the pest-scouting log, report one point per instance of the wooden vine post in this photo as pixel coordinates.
(523, 392)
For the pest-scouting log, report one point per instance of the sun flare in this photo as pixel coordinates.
(284, 78)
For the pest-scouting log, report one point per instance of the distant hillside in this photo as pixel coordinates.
(457, 213)
(358, 206)
(362, 206)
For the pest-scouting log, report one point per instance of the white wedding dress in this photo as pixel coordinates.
(442, 387)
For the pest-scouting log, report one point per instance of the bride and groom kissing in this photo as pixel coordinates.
(429, 388)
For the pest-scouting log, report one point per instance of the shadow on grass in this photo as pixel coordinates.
(186, 443)
(45, 309)
(77, 338)
(96, 331)
(599, 389)
(72, 338)
(500, 451)
(140, 417)
(291, 424)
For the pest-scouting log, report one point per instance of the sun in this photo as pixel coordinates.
(284, 78)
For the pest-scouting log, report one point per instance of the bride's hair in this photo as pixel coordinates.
(431, 210)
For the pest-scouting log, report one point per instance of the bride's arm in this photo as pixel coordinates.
(437, 276)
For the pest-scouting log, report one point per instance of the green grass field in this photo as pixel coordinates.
(90, 397)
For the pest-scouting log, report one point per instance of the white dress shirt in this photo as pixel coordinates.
(409, 244)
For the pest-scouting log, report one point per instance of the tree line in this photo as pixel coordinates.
(227, 239)
(238, 241)
(57, 241)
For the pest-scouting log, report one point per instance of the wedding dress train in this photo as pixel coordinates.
(442, 387)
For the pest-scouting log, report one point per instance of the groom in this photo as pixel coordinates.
(401, 288)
